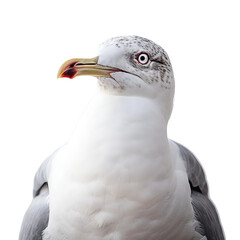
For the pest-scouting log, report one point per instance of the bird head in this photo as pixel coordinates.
(129, 66)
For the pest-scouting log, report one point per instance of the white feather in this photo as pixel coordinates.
(120, 172)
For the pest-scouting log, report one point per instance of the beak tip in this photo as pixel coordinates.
(60, 74)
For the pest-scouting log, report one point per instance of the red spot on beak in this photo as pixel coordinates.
(70, 71)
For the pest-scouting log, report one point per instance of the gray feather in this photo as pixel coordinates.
(195, 171)
(207, 216)
(205, 212)
(42, 174)
(36, 217)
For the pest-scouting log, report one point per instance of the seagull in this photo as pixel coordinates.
(119, 177)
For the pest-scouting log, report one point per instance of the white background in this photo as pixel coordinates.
(38, 112)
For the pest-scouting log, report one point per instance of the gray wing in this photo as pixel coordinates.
(36, 217)
(205, 212)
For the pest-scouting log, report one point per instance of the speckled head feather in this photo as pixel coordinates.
(158, 69)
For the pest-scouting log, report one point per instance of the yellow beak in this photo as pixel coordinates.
(76, 67)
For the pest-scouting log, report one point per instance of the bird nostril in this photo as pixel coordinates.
(79, 64)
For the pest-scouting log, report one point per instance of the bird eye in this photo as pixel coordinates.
(143, 58)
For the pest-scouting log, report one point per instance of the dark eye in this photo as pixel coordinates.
(143, 58)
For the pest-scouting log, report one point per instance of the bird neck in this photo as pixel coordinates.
(121, 130)
(122, 117)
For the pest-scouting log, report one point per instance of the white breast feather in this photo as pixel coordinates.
(119, 178)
